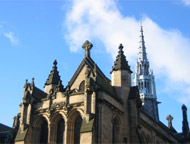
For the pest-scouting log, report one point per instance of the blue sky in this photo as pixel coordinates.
(35, 32)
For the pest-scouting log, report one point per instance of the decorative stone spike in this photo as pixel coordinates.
(185, 127)
(26, 83)
(32, 83)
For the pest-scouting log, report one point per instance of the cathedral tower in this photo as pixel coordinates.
(144, 79)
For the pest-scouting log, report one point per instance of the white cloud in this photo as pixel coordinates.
(186, 2)
(6, 30)
(168, 50)
(11, 37)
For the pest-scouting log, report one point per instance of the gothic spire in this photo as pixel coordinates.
(121, 63)
(144, 79)
(142, 49)
(53, 77)
(32, 83)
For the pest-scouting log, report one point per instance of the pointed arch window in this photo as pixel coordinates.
(140, 69)
(148, 87)
(81, 86)
(44, 132)
(60, 131)
(77, 126)
(141, 85)
(115, 130)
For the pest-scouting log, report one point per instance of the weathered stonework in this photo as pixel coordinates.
(90, 109)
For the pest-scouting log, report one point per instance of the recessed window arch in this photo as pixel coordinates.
(141, 85)
(44, 132)
(77, 126)
(115, 130)
(60, 131)
(74, 123)
(140, 69)
(82, 86)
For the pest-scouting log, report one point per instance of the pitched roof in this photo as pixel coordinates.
(4, 128)
(121, 63)
(101, 79)
(53, 77)
(38, 94)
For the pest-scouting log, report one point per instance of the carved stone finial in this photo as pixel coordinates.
(87, 46)
(169, 118)
(32, 83)
(55, 63)
(185, 127)
(120, 47)
(26, 84)
(26, 81)
(184, 108)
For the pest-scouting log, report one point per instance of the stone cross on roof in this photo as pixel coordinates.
(87, 46)
(169, 118)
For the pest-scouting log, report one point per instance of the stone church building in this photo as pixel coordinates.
(94, 109)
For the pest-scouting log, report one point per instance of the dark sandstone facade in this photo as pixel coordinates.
(91, 109)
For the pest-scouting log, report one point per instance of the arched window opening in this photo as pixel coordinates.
(81, 86)
(114, 132)
(141, 85)
(77, 126)
(44, 132)
(148, 87)
(140, 69)
(60, 131)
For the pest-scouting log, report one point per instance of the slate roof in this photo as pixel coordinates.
(4, 128)
(38, 94)
(121, 63)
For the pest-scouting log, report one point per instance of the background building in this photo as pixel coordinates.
(144, 79)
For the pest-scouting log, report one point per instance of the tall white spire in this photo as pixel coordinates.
(144, 79)
(142, 49)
